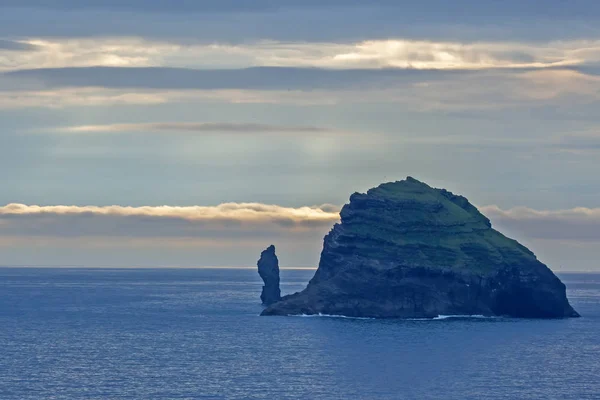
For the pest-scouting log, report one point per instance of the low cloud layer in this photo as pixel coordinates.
(240, 219)
(578, 224)
(225, 220)
(234, 233)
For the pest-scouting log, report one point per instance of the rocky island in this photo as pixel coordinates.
(407, 250)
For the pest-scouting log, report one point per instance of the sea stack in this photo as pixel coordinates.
(407, 250)
(268, 269)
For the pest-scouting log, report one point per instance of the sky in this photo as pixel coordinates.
(196, 133)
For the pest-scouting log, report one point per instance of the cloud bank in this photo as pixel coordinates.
(579, 224)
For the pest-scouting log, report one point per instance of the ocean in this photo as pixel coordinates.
(196, 334)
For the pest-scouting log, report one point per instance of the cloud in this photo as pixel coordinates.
(420, 74)
(103, 85)
(86, 97)
(259, 78)
(223, 127)
(86, 52)
(577, 142)
(578, 224)
(224, 220)
(550, 84)
(369, 54)
(415, 89)
(56, 98)
(453, 55)
(493, 90)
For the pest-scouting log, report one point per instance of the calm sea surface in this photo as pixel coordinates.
(196, 334)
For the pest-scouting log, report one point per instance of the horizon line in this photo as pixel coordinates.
(206, 267)
(144, 267)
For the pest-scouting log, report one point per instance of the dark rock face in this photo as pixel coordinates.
(406, 250)
(268, 269)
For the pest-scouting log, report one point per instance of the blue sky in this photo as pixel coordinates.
(289, 104)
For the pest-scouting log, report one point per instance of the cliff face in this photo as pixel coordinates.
(268, 269)
(407, 250)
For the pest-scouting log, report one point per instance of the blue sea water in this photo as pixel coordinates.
(196, 334)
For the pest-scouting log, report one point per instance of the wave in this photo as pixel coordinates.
(463, 316)
(439, 317)
(327, 316)
(456, 316)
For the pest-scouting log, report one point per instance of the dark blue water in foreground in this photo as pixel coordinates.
(195, 334)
